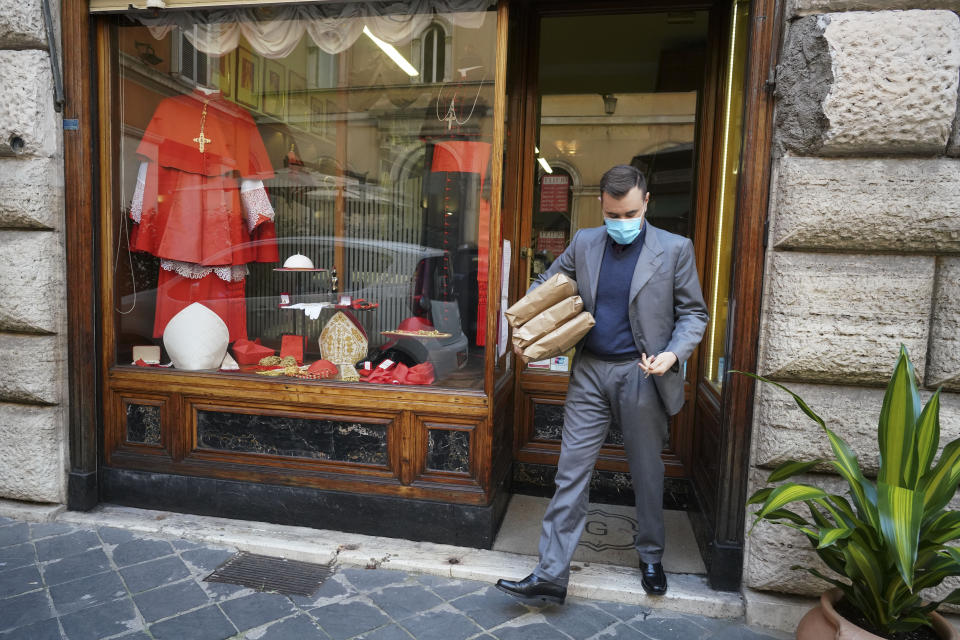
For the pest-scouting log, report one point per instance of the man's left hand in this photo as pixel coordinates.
(658, 364)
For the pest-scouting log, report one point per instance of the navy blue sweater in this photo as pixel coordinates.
(612, 338)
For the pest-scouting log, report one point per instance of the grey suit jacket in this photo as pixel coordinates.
(667, 311)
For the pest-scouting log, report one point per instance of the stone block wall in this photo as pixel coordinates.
(864, 241)
(33, 315)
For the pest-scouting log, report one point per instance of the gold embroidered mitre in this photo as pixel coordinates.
(343, 343)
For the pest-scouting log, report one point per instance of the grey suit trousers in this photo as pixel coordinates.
(600, 391)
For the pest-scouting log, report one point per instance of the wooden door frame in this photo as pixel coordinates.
(720, 532)
(611, 458)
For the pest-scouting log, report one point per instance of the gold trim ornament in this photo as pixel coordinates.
(344, 343)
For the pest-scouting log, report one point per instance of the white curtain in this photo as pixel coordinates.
(333, 29)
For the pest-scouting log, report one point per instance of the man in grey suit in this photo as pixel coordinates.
(640, 283)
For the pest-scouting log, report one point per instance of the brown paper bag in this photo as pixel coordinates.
(540, 299)
(545, 322)
(558, 341)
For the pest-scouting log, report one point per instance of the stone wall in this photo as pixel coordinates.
(864, 243)
(32, 272)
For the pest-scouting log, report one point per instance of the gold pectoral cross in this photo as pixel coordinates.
(201, 140)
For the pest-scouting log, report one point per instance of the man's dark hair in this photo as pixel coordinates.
(618, 180)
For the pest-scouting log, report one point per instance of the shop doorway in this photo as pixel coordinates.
(658, 87)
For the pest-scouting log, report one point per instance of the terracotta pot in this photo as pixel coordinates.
(824, 623)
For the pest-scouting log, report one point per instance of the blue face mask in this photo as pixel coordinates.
(623, 230)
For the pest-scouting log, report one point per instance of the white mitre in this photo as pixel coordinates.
(196, 338)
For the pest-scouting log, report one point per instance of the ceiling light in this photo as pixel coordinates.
(391, 51)
(546, 165)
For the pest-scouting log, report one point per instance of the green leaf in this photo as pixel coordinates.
(787, 493)
(760, 496)
(829, 536)
(791, 468)
(864, 566)
(944, 528)
(800, 403)
(786, 514)
(897, 429)
(928, 434)
(901, 511)
(939, 484)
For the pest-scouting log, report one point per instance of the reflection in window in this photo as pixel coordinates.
(289, 166)
(434, 54)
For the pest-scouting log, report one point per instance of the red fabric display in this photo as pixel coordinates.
(189, 206)
(292, 345)
(247, 352)
(322, 369)
(399, 373)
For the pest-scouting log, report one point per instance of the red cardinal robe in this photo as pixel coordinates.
(201, 207)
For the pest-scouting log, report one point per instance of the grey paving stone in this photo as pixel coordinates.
(185, 545)
(14, 534)
(48, 629)
(113, 535)
(625, 612)
(24, 609)
(369, 579)
(257, 609)
(75, 567)
(147, 575)
(449, 589)
(440, 625)
(16, 556)
(578, 619)
(405, 600)
(47, 529)
(21, 580)
(296, 628)
(135, 551)
(347, 619)
(220, 591)
(4, 520)
(87, 592)
(670, 628)
(102, 621)
(170, 600)
(535, 631)
(205, 559)
(738, 631)
(335, 588)
(624, 632)
(138, 635)
(208, 623)
(490, 608)
(66, 545)
(390, 632)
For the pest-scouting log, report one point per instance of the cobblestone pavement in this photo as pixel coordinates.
(62, 581)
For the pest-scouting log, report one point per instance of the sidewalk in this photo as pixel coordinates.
(104, 575)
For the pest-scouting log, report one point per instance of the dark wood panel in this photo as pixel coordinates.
(79, 147)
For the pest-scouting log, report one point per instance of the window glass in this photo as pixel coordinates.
(290, 184)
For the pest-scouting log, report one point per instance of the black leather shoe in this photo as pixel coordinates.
(653, 579)
(534, 590)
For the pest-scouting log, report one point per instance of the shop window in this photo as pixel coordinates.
(272, 180)
(296, 437)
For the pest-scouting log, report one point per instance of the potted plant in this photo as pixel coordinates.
(887, 542)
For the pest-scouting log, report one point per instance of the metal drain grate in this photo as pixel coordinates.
(265, 573)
